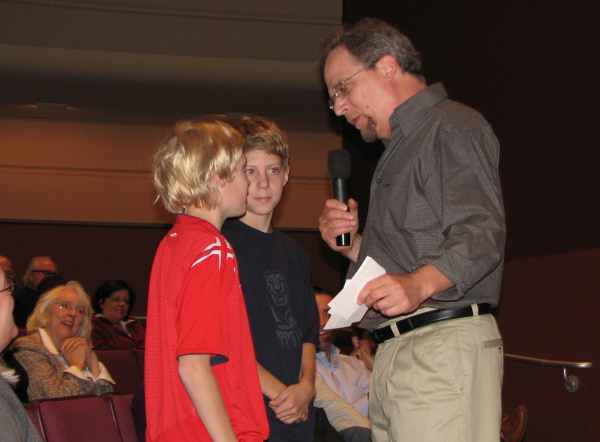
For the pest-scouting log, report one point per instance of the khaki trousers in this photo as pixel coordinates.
(439, 383)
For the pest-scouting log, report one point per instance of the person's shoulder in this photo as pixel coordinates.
(456, 116)
(231, 226)
(100, 321)
(234, 231)
(352, 361)
(32, 341)
(191, 239)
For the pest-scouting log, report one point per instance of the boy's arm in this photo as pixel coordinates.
(292, 404)
(269, 384)
(197, 377)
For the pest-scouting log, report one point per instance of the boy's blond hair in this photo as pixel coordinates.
(192, 155)
(260, 133)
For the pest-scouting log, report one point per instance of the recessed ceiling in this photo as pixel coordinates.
(231, 54)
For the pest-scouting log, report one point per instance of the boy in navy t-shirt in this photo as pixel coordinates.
(275, 276)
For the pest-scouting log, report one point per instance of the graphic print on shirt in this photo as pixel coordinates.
(278, 297)
(216, 249)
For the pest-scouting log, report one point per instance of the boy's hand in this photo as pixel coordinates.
(291, 405)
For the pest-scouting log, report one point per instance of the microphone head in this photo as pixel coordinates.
(338, 163)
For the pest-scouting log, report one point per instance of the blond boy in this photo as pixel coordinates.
(201, 380)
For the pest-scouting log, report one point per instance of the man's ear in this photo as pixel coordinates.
(387, 66)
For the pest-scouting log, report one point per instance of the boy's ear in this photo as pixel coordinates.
(286, 175)
(218, 181)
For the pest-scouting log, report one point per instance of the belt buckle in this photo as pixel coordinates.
(376, 335)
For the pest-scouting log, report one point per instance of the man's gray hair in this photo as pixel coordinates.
(370, 39)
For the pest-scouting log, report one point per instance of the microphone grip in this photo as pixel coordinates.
(343, 240)
(340, 192)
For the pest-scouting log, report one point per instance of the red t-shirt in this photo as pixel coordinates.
(195, 306)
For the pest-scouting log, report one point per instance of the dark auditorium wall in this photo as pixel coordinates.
(527, 66)
(91, 253)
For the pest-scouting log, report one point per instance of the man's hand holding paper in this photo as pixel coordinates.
(344, 309)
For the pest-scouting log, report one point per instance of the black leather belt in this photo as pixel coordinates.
(409, 324)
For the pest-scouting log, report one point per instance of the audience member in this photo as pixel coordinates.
(14, 422)
(26, 297)
(112, 327)
(363, 347)
(275, 276)
(201, 380)
(345, 375)
(349, 424)
(7, 265)
(50, 282)
(57, 353)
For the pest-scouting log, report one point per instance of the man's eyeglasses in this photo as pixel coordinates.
(341, 89)
(10, 286)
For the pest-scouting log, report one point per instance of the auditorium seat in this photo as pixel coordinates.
(86, 418)
(514, 424)
(124, 415)
(123, 367)
(139, 357)
(107, 418)
(34, 416)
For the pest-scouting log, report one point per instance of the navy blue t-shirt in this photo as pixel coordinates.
(275, 276)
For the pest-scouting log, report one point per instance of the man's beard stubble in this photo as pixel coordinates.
(369, 133)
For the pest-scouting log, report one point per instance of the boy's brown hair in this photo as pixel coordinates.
(260, 133)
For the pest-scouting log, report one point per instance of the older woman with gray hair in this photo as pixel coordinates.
(57, 352)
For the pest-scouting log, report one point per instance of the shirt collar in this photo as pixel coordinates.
(189, 220)
(47, 342)
(333, 359)
(410, 113)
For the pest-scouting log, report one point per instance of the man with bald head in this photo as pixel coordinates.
(26, 297)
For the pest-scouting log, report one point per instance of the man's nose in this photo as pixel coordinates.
(340, 105)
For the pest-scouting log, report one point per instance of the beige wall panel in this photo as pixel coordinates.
(100, 172)
(308, 152)
(56, 195)
(49, 195)
(301, 204)
(79, 145)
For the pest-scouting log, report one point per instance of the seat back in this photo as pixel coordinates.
(139, 357)
(514, 424)
(123, 367)
(85, 418)
(122, 406)
(34, 416)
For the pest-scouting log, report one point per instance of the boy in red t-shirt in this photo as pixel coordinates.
(201, 379)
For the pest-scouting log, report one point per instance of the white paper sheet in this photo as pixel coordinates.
(344, 310)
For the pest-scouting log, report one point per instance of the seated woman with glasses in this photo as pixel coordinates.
(112, 328)
(57, 352)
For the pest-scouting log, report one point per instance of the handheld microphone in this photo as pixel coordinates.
(338, 162)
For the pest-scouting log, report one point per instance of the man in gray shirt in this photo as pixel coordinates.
(436, 224)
